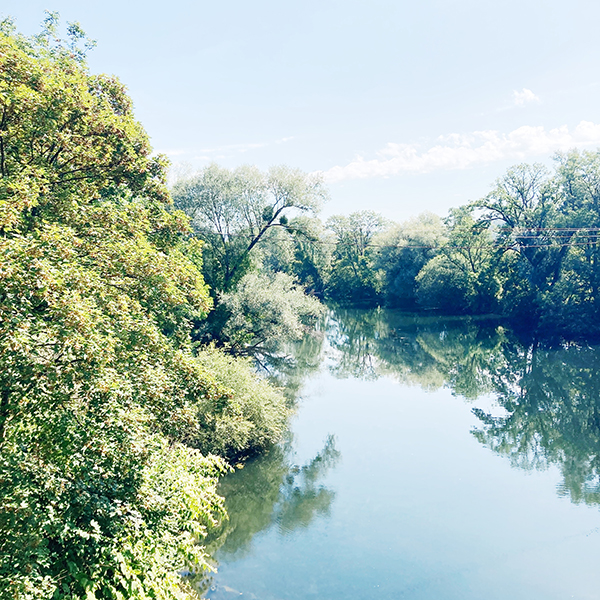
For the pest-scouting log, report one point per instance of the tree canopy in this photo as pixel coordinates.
(104, 408)
(527, 251)
(233, 210)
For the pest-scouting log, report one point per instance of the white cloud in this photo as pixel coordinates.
(458, 151)
(525, 96)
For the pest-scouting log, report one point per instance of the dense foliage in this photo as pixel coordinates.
(233, 211)
(115, 420)
(266, 310)
(527, 251)
(248, 219)
(104, 408)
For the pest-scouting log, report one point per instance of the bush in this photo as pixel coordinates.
(251, 419)
(265, 311)
(443, 286)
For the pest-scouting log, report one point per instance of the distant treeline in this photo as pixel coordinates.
(528, 251)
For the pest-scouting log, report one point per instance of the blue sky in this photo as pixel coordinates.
(404, 106)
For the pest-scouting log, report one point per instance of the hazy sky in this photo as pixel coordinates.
(404, 106)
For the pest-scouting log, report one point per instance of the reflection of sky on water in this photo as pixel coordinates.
(419, 507)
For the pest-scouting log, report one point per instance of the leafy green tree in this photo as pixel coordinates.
(572, 304)
(304, 250)
(446, 286)
(266, 311)
(251, 419)
(461, 279)
(354, 279)
(275, 254)
(547, 242)
(251, 223)
(523, 208)
(65, 134)
(232, 211)
(405, 249)
(104, 493)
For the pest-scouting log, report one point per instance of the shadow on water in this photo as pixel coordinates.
(549, 396)
(269, 492)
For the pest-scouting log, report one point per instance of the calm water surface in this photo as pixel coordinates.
(428, 459)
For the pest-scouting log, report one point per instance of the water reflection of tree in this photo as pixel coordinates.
(270, 491)
(550, 396)
(353, 337)
(296, 361)
(552, 403)
(429, 352)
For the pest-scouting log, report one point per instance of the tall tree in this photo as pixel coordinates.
(354, 279)
(104, 491)
(232, 211)
(405, 249)
(547, 233)
(575, 299)
(523, 209)
(462, 277)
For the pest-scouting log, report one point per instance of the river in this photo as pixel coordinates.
(428, 459)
